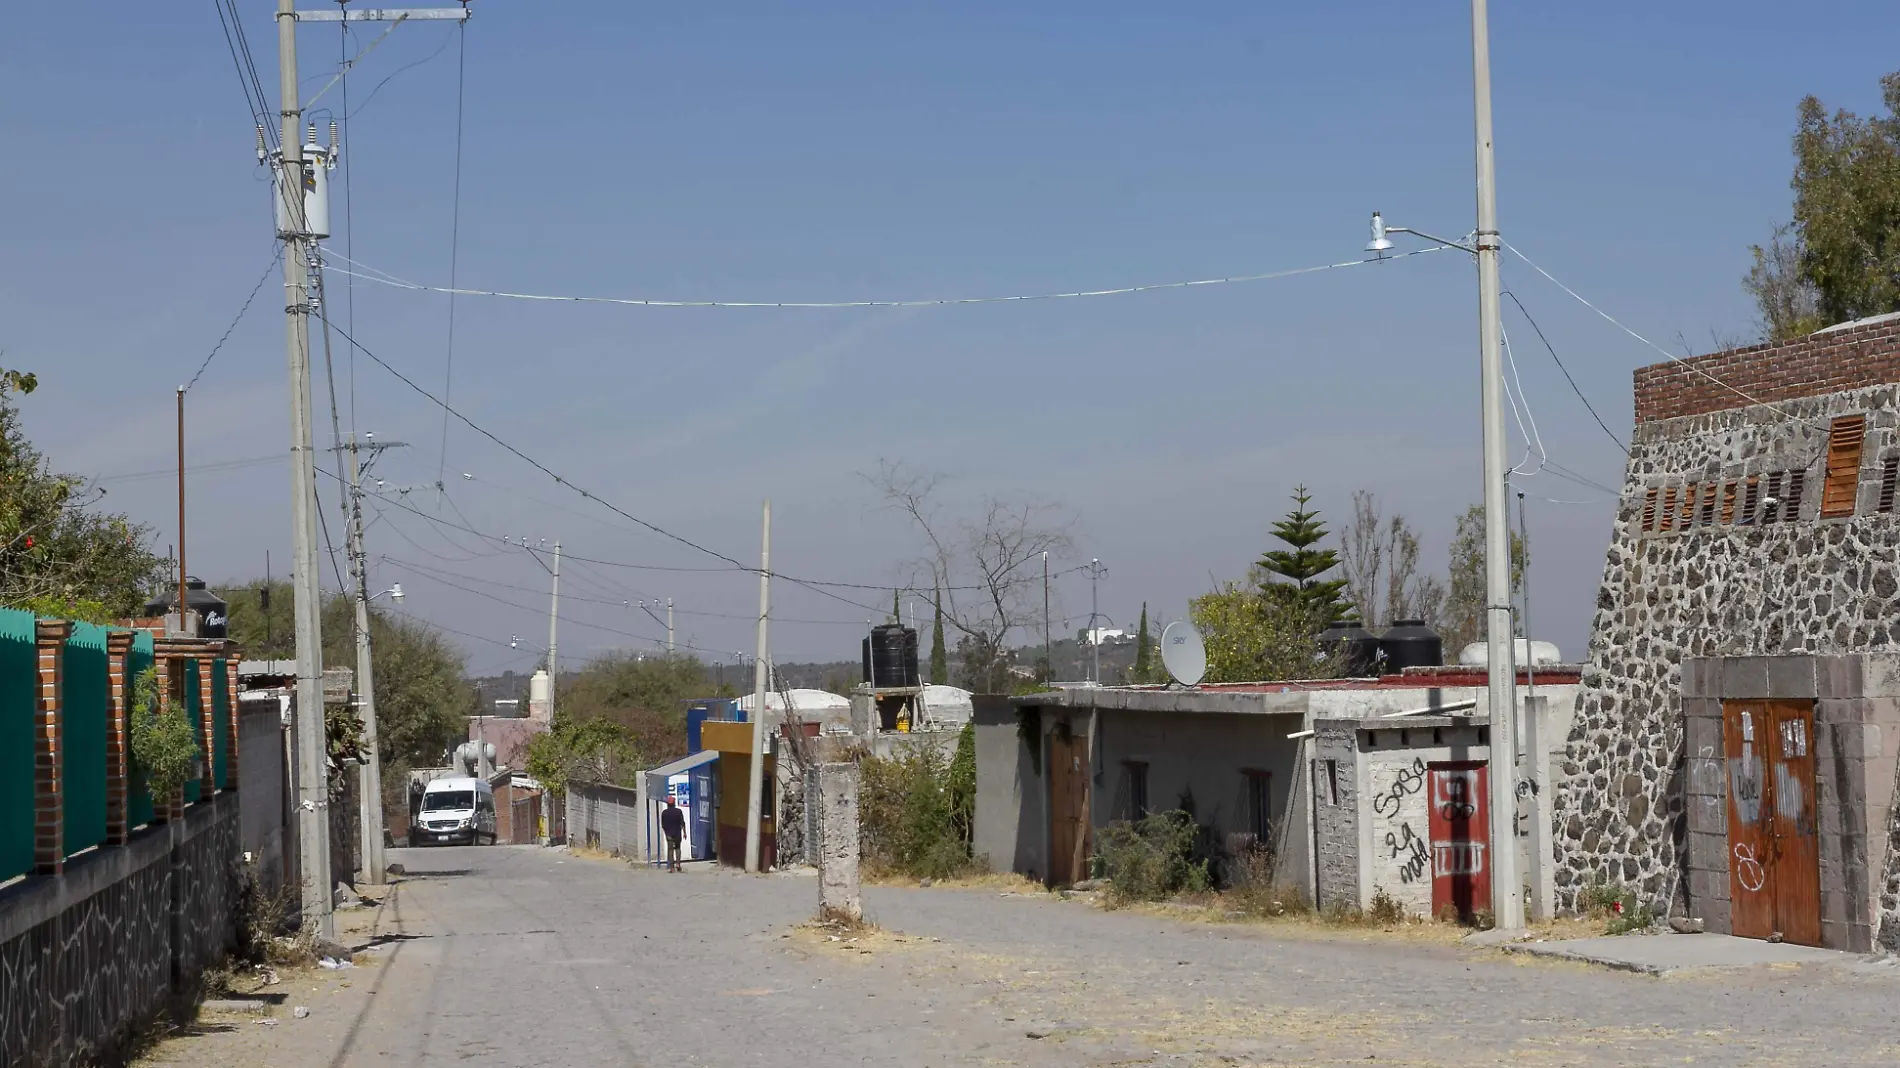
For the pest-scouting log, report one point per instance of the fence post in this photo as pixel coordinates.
(49, 795)
(232, 654)
(838, 887)
(118, 737)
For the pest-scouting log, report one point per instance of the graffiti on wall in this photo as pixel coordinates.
(1407, 782)
(1406, 843)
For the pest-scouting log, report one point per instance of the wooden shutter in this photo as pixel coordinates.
(1649, 509)
(1770, 491)
(1844, 439)
(1710, 491)
(1667, 517)
(1751, 498)
(1791, 506)
(1889, 479)
(1687, 519)
(1728, 503)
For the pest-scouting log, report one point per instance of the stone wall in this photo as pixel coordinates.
(1701, 564)
(88, 954)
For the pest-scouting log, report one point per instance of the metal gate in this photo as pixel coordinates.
(1774, 856)
(1460, 833)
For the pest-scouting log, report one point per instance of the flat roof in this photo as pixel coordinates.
(1320, 698)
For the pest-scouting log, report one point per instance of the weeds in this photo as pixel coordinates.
(1255, 890)
(1385, 909)
(1619, 907)
(916, 810)
(1152, 860)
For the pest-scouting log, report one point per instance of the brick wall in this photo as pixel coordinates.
(1808, 366)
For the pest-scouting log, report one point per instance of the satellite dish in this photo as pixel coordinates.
(1183, 654)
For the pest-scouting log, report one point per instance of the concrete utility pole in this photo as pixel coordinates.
(759, 673)
(1096, 570)
(313, 806)
(669, 626)
(369, 801)
(554, 674)
(1048, 654)
(184, 627)
(1507, 895)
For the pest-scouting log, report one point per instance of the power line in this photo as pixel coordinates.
(455, 235)
(372, 274)
(277, 254)
(348, 114)
(1784, 413)
(1574, 388)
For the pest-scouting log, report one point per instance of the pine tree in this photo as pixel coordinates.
(1302, 564)
(1144, 662)
(939, 659)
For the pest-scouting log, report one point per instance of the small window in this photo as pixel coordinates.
(1791, 505)
(1728, 503)
(1770, 498)
(1260, 805)
(1666, 518)
(1332, 782)
(1687, 519)
(1844, 439)
(1751, 499)
(1649, 509)
(1889, 477)
(1137, 773)
(1709, 492)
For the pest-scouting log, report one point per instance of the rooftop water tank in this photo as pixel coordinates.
(214, 613)
(1410, 643)
(890, 657)
(1352, 646)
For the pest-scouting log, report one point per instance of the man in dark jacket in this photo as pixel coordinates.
(673, 825)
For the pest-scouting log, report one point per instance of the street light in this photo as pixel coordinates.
(1507, 898)
(394, 593)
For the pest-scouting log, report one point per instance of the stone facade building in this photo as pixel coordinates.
(1735, 746)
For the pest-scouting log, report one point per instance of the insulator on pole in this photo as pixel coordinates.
(263, 149)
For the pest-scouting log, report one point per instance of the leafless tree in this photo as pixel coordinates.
(1380, 559)
(987, 570)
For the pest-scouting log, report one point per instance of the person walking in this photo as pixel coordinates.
(673, 825)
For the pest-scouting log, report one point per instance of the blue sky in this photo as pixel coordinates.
(852, 151)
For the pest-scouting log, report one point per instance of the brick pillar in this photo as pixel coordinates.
(232, 654)
(118, 736)
(49, 751)
(205, 716)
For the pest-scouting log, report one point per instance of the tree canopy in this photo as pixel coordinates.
(1840, 257)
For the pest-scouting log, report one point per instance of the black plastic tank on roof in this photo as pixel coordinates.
(1348, 643)
(214, 612)
(890, 657)
(1410, 643)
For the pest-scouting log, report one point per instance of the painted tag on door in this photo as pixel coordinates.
(1774, 857)
(1460, 836)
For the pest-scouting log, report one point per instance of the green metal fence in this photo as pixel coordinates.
(138, 795)
(193, 688)
(83, 721)
(221, 725)
(19, 700)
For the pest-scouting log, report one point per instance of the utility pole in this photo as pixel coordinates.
(554, 674)
(1096, 570)
(369, 801)
(183, 627)
(1048, 653)
(756, 780)
(1507, 883)
(313, 806)
(669, 626)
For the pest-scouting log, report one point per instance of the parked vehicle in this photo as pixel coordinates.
(460, 810)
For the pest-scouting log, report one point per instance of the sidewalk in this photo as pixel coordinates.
(1667, 954)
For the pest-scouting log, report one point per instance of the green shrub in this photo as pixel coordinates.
(1620, 908)
(1385, 909)
(1255, 891)
(164, 741)
(915, 810)
(1152, 859)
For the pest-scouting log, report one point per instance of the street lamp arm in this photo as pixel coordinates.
(1436, 240)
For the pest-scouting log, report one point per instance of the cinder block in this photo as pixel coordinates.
(1708, 852)
(1837, 676)
(1745, 677)
(1702, 736)
(1715, 916)
(1844, 710)
(1702, 709)
(1695, 672)
(1790, 676)
(1834, 907)
(1880, 675)
(1708, 886)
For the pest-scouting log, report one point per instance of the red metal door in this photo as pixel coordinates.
(1797, 850)
(1460, 834)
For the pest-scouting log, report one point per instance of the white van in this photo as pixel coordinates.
(455, 810)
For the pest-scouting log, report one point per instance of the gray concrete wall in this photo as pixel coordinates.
(1200, 762)
(265, 830)
(1335, 816)
(605, 817)
(89, 955)
(1008, 789)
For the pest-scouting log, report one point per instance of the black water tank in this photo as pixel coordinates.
(214, 613)
(891, 656)
(1410, 643)
(1353, 646)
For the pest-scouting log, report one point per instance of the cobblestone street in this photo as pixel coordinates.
(523, 957)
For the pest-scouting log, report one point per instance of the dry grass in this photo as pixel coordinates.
(975, 880)
(587, 852)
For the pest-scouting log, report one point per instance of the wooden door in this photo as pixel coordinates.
(1068, 812)
(1459, 825)
(1797, 849)
(1774, 858)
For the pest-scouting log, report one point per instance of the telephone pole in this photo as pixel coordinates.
(1048, 654)
(369, 801)
(756, 781)
(313, 805)
(669, 626)
(301, 182)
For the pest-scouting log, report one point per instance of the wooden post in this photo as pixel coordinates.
(118, 736)
(49, 750)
